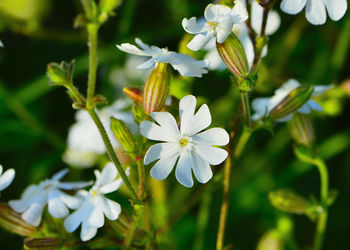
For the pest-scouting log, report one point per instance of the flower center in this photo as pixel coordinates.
(183, 142)
(211, 24)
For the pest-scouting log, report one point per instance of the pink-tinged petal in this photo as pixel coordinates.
(160, 150)
(155, 132)
(167, 122)
(163, 167)
(292, 7)
(87, 231)
(213, 155)
(213, 136)
(336, 8)
(316, 12)
(6, 178)
(201, 120)
(201, 168)
(199, 41)
(187, 107)
(192, 26)
(183, 170)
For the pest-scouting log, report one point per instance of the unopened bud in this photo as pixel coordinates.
(156, 88)
(271, 240)
(301, 129)
(288, 201)
(123, 135)
(134, 94)
(292, 102)
(138, 113)
(106, 9)
(60, 73)
(12, 221)
(43, 243)
(232, 53)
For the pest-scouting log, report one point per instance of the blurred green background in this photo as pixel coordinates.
(35, 117)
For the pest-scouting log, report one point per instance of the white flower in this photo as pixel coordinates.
(1, 44)
(185, 64)
(263, 106)
(35, 198)
(6, 178)
(219, 22)
(316, 9)
(95, 206)
(84, 139)
(241, 31)
(192, 148)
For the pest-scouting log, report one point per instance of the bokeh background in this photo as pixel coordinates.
(35, 118)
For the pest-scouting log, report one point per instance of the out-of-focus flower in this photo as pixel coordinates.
(1, 44)
(316, 9)
(6, 178)
(95, 205)
(35, 198)
(263, 106)
(84, 139)
(219, 22)
(241, 31)
(192, 148)
(185, 64)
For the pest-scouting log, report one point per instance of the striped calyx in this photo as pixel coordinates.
(232, 53)
(134, 94)
(156, 89)
(292, 102)
(301, 129)
(123, 135)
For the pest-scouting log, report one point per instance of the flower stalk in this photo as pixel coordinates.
(92, 29)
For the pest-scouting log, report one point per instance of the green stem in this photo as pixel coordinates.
(247, 132)
(246, 108)
(112, 155)
(92, 29)
(136, 220)
(142, 174)
(322, 219)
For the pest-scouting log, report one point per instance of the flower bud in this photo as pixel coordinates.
(139, 113)
(123, 135)
(60, 73)
(43, 243)
(106, 8)
(134, 94)
(288, 201)
(292, 102)
(12, 221)
(271, 240)
(232, 53)
(301, 129)
(156, 88)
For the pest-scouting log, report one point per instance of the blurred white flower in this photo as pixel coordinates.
(219, 22)
(1, 44)
(6, 178)
(192, 148)
(241, 31)
(35, 198)
(263, 106)
(84, 140)
(316, 9)
(185, 64)
(95, 206)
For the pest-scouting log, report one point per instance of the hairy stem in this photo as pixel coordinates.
(246, 108)
(92, 29)
(113, 156)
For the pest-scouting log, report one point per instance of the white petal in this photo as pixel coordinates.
(261, 107)
(248, 45)
(155, 132)
(201, 120)
(34, 213)
(187, 107)
(212, 155)
(273, 20)
(160, 150)
(192, 26)
(87, 231)
(183, 170)
(239, 12)
(56, 206)
(167, 122)
(201, 168)
(96, 217)
(1, 169)
(316, 12)
(215, 62)
(314, 105)
(214, 12)
(188, 66)
(336, 8)
(292, 6)
(286, 118)
(111, 187)
(147, 65)
(108, 175)
(304, 109)
(6, 178)
(163, 167)
(224, 29)
(71, 201)
(73, 185)
(1, 44)
(131, 49)
(22, 204)
(59, 175)
(111, 209)
(199, 41)
(213, 136)
(72, 222)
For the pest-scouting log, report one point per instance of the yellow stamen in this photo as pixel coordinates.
(183, 142)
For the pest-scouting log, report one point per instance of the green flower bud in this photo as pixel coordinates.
(271, 240)
(43, 243)
(288, 201)
(139, 113)
(60, 74)
(232, 53)
(123, 135)
(292, 102)
(106, 8)
(134, 94)
(301, 129)
(12, 221)
(156, 88)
